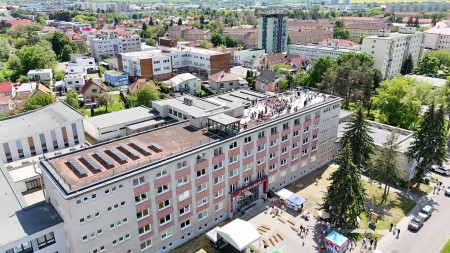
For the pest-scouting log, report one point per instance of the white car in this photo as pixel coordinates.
(447, 191)
(440, 170)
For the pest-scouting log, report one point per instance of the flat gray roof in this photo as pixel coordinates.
(37, 121)
(124, 117)
(344, 114)
(16, 218)
(152, 122)
(223, 119)
(380, 132)
(436, 82)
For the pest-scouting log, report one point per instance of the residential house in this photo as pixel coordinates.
(224, 81)
(40, 88)
(196, 34)
(140, 83)
(176, 32)
(25, 89)
(239, 56)
(186, 82)
(298, 63)
(267, 81)
(74, 81)
(7, 89)
(270, 60)
(40, 75)
(92, 89)
(6, 104)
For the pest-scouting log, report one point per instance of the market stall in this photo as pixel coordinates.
(284, 194)
(336, 243)
(295, 202)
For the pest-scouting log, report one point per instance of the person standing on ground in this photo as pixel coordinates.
(398, 233)
(395, 229)
(392, 225)
(375, 243)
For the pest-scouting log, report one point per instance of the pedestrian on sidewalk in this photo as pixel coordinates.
(434, 189)
(392, 225)
(371, 244)
(395, 229)
(398, 233)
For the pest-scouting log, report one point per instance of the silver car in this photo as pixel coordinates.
(440, 170)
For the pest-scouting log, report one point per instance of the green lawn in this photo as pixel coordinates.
(395, 208)
(116, 106)
(446, 248)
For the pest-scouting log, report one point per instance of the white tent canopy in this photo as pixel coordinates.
(238, 233)
(284, 193)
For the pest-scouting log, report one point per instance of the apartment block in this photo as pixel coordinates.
(40, 75)
(37, 228)
(313, 52)
(112, 42)
(306, 37)
(248, 37)
(203, 61)
(153, 191)
(273, 33)
(50, 128)
(358, 31)
(438, 37)
(389, 50)
(146, 64)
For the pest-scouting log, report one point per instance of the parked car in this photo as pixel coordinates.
(440, 170)
(447, 191)
(426, 212)
(416, 223)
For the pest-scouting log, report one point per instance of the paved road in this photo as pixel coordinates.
(434, 233)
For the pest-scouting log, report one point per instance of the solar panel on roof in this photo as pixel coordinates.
(104, 158)
(119, 155)
(141, 147)
(129, 150)
(76, 166)
(95, 166)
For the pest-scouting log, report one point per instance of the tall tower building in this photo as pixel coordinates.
(273, 33)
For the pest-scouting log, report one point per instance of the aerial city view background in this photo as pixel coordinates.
(224, 126)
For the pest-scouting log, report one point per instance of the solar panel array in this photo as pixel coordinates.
(129, 150)
(77, 167)
(143, 148)
(155, 147)
(122, 158)
(105, 159)
(94, 166)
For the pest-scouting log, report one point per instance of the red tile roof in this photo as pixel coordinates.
(15, 22)
(91, 82)
(6, 87)
(337, 42)
(375, 26)
(301, 61)
(223, 76)
(279, 58)
(421, 20)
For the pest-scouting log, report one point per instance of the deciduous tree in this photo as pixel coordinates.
(38, 100)
(317, 72)
(144, 96)
(105, 99)
(385, 167)
(407, 65)
(428, 65)
(72, 99)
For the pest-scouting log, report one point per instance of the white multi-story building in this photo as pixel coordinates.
(40, 75)
(313, 52)
(240, 55)
(148, 64)
(438, 37)
(112, 42)
(192, 58)
(53, 127)
(153, 191)
(37, 228)
(389, 50)
(74, 81)
(83, 60)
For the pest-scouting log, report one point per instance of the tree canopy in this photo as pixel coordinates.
(428, 65)
(144, 96)
(345, 199)
(38, 100)
(318, 70)
(430, 141)
(400, 99)
(72, 99)
(357, 138)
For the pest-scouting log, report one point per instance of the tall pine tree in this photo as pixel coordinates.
(358, 139)
(407, 66)
(430, 141)
(345, 200)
